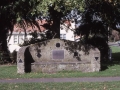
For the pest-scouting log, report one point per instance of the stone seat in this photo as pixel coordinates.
(56, 55)
(50, 62)
(50, 67)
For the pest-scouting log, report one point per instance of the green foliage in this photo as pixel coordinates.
(24, 12)
(4, 57)
(60, 5)
(13, 56)
(115, 49)
(96, 18)
(12, 12)
(10, 72)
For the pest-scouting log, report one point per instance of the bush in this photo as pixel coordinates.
(13, 56)
(4, 57)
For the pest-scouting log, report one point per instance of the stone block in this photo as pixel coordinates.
(53, 56)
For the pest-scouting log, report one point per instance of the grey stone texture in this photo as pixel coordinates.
(55, 55)
(20, 60)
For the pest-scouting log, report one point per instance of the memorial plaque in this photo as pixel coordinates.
(58, 54)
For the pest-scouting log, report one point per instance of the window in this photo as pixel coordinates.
(20, 39)
(63, 36)
(15, 39)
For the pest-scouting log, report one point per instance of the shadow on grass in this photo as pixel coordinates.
(114, 61)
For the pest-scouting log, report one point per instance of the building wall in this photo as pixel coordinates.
(67, 30)
(18, 35)
(16, 39)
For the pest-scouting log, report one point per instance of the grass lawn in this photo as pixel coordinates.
(115, 49)
(10, 71)
(62, 86)
(7, 72)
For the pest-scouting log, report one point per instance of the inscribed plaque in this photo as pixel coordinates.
(58, 54)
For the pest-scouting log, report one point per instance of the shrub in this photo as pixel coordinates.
(13, 56)
(4, 57)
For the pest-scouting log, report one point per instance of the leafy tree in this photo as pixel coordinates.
(11, 12)
(96, 18)
(26, 11)
(56, 9)
(22, 11)
(97, 15)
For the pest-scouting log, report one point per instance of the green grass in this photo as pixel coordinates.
(10, 71)
(7, 72)
(62, 86)
(115, 49)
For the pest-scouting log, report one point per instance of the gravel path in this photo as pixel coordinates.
(45, 80)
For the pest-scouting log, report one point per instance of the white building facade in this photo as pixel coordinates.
(16, 39)
(67, 30)
(18, 36)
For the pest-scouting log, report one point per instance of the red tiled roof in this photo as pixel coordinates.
(34, 28)
(31, 28)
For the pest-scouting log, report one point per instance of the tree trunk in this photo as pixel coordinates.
(55, 17)
(3, 40)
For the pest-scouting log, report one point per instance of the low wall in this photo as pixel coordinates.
(51, 67)
(54, 55)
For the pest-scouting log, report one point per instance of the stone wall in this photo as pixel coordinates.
(52, 56)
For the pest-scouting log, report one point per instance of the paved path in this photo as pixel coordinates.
(45, 80)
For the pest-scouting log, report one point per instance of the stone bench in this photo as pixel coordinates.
(50, 67)
(56, 55)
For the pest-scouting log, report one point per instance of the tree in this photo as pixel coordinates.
(56, 9)
(97, 15)
(26, 11)
(96, 18)
(12, 12)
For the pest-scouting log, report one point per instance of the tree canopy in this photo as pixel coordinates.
(97, 16)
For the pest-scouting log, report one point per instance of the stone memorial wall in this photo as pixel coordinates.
(52, 56)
